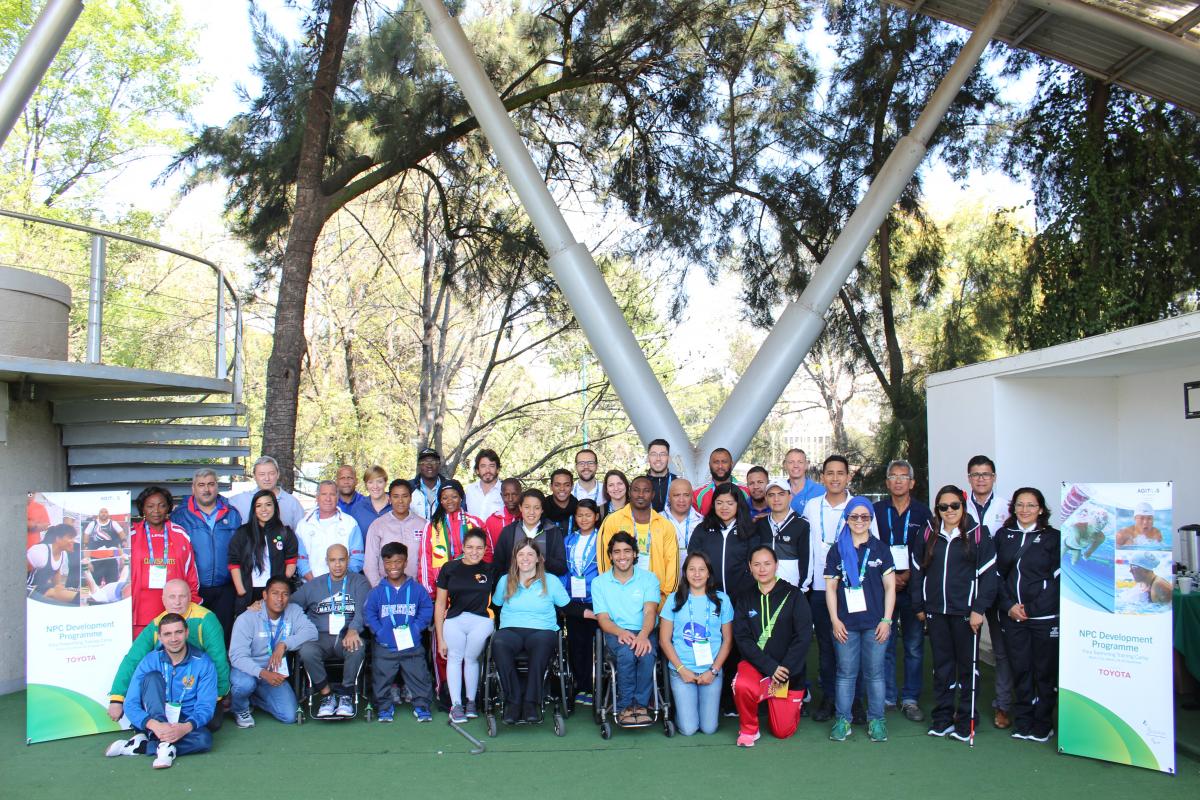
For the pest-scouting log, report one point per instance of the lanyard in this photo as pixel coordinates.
(907, 512)
(692, 619)
(824, 503)
(166, 544)
(391, 605)
(430, 502)
(462, 524)
(775, 529)
(580, 564)
(982, 510)
(332, 601)
(768, 618)
(643, 549)
(862, 566)
(275, 632)
(168, 673)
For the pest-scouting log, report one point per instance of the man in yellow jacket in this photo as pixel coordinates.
(658, 550)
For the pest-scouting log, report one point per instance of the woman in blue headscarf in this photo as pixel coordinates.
(860, 591)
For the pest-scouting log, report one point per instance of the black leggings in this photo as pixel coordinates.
(953, 644)
(1033, 658)
(539, 645)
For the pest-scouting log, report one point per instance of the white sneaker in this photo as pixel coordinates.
(328, 706)
(126, 747)
(345, 707)
(244, 719)
(165, 756)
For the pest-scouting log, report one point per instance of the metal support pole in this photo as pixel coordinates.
(222, 370)
(33, 58)
(573, 267)
(95, 326)
(801, 322)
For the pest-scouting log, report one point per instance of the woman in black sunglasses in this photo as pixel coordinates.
(953, 583)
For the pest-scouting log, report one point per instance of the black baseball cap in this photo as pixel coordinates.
(428, 452)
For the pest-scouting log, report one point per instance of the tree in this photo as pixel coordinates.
(1116, 178)
(122, 80)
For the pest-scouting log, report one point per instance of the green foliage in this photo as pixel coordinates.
(120, 82)
(1117, 184)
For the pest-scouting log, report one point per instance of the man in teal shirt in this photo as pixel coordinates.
(625, 600)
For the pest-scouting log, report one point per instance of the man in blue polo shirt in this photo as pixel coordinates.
(625, 600)
(901, 520)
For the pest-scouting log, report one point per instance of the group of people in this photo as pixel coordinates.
(729, 584)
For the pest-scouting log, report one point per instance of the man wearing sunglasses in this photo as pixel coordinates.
(990, 508)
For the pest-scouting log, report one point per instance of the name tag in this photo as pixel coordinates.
(404, 638)
(283, 667)
(578, 588)
(702, 653)
(336, 623)
(644, 561)
(900, 556)
(158, 576)
(173, 710)
(856, 600)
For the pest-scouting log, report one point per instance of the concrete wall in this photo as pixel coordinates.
(1156, 443)
(31, 459)
(36, 308)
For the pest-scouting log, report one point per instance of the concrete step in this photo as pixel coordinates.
(78, 456)
(113, 474)
(82, 411)
(130, 432)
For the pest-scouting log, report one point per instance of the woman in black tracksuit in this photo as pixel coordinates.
(1027, 562)
(953, 583)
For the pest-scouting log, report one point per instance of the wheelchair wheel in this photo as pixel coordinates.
(369, 714)
(299, 716)
(668, 728)
(560, 725)
(598, 680)
(605, 731)
(491, 725)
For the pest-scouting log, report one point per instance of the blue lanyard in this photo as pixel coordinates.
(908, 511)
(392, 613)
(332, 601)
(862, 566)
(638, 537)
(275, 635)
(166, 544)
(430, 503)
(578, 568)
(824, 502)
(168, 673)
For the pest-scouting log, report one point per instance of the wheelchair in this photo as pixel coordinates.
(604, 710)
(559, 686)
(309, 701)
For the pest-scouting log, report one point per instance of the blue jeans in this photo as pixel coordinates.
(278, 701)
(911, 633)
(635, 676)
(154, 701)
(697, 708)
(860, 651)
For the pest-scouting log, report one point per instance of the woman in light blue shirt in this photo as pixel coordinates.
(528, 624)
(695, 632)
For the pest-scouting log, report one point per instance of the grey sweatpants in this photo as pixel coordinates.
(385, 663)
(327, 645)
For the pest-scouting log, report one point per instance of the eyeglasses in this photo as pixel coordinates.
(899, 477)
(585, 463)
(944, 507)
(859, 517)
(975, 475)
(1027, 506)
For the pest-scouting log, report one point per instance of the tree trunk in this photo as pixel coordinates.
(312, 210)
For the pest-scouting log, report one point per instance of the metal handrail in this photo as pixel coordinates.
(96, 294)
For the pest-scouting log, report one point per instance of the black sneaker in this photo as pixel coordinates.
(939, 730)
(857, 715)
(824, 710)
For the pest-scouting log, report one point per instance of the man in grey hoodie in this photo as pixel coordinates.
(257, 654)
(336, 605)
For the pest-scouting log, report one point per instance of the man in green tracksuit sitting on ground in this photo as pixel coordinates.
(204, 633)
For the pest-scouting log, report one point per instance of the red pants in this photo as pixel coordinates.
(749, 689)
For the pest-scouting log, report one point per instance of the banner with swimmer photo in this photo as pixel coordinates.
(1114, 698)
(78, 613)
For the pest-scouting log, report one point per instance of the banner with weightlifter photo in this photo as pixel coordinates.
(78, 613)
(1114, 698)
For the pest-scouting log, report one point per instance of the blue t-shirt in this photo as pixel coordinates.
(530, 607)
(800, 499)
(879, 563)
(697, 619)
(625, 602)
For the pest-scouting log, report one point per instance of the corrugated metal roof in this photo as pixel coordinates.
(1096, 48)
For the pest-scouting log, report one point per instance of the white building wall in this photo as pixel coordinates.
(1156, 443)
(961, 417)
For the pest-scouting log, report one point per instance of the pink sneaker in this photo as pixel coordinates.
(747, 739)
